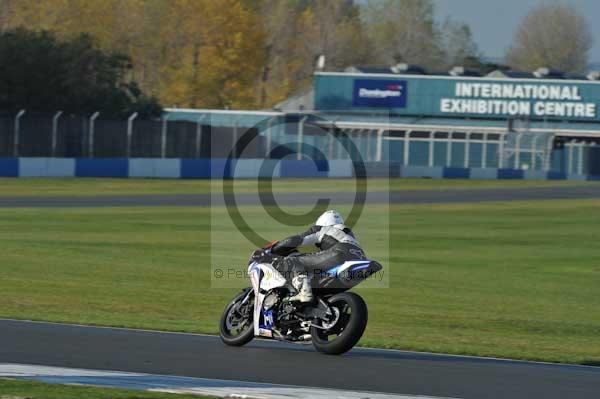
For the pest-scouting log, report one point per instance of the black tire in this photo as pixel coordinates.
(349, 328)
(247, 333)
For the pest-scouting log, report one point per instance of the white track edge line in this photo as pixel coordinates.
(259, 384)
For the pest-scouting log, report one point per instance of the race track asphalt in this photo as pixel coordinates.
(264, 361)
(591, 191)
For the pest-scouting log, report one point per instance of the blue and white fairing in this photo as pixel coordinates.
(264, 278)
(352, 266)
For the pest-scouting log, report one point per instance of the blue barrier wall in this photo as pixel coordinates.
(101, 167)
(160, 168)
(9, 167)
(304, 168)
(251, 168)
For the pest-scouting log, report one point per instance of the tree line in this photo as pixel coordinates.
(255, 53)
(40, 73)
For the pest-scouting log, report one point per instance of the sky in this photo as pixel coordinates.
(493, 22)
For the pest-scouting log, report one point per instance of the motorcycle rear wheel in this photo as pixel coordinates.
(236, 327)
(349, 328)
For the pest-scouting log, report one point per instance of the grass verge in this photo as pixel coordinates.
(13, 389)
(92, 187)
(516, 279)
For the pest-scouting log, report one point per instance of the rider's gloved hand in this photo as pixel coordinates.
(262, 256)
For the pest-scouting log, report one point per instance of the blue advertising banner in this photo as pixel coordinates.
(380, 93)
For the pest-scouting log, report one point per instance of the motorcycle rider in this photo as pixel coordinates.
(336, 242)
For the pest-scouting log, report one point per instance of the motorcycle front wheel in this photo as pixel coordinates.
(347, 330)
(236, 326)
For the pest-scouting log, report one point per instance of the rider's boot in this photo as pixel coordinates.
(302, 284)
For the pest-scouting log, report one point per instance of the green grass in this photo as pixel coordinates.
(89, 187)
(11, 388)
(516, 280)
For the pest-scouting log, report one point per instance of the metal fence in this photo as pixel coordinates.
(26, 134)
(453, 147)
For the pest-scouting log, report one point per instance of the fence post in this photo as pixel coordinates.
(91, 133)
(55, 132)
(358, 143)
(518, 151)
(355, 138)
(484, 147)
(548, 155)
(379, 149)
(580, 158)
(269, 138)
(300, 137)
(364, 141)
(431, 155)
(130, 132)
(17, 132)
(340, 135)
(199, 135)
(534, 152)
(570, 146)
(163, 137)
(331, 143)
(235, 138)
(350, 140)
(449, 150)
(406, 156)
(368, 149)
(501, 150)
(467, 155)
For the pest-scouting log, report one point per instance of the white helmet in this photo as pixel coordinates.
(330, 218)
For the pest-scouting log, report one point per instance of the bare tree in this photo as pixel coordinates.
(457, 43)
(297, 32)
(551, 35)
(332, 28)
(404, 31)
(279, 76)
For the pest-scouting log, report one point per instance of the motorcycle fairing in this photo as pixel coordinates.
(351, 265)
(264, 278)
(349, 274)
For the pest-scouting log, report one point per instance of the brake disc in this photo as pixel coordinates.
(336, 316)
(232, 321)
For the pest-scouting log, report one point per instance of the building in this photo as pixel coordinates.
(395, 121)
(539, 125)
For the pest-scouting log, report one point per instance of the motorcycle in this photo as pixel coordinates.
(334, 321)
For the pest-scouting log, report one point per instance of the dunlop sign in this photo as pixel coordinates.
(513, 99)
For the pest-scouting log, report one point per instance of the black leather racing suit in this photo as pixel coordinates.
(337, 244)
